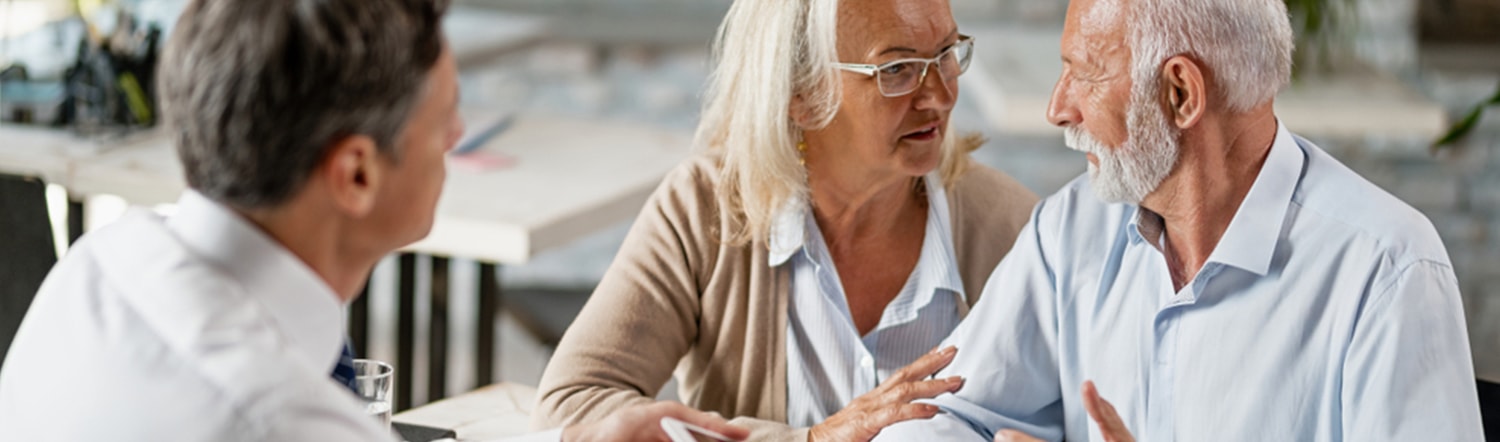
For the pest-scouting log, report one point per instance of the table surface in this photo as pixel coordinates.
(561, 179)
(491, 412)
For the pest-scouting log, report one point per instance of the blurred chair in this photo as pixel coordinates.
(1489, 409)
(545, 313)
(27, 250)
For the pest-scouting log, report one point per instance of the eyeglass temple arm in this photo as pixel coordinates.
(866, 69)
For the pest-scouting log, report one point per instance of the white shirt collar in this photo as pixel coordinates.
(788, 231)
(306, 311)
(789, 235)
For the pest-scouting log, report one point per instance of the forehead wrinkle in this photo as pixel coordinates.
(1099, 43)
(867, 28)
(1103, 16)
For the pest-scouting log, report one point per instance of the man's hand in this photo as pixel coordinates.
(890, 402)
(1110, 424)
(642, 423)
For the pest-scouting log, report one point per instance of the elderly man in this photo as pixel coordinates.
(1216, 276)
(313, 136)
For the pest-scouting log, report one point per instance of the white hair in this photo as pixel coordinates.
(1246, 44)
(767, 52)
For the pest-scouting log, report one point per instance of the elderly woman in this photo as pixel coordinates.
(798, 273)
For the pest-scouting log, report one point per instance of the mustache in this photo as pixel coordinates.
(1079, 140)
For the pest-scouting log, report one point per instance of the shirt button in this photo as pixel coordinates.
(867, 362)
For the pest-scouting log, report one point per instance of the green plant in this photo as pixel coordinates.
(1466, 125)
(1320, 26)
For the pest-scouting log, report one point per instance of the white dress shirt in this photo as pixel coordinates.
(828, 363)
(197, 327)
(1328, 311)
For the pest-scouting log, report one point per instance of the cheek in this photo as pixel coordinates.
(1105, 113)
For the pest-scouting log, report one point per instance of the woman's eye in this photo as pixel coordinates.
(894, 69)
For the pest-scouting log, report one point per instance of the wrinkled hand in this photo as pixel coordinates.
(642, 423)
(890, 402)
(1109, 422)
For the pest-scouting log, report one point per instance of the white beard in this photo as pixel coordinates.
(1129, 172)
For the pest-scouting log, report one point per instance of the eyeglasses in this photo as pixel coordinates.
(901, 77)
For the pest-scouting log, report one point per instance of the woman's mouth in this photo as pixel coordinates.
(929, 133)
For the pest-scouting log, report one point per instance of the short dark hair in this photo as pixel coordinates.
(255, 91)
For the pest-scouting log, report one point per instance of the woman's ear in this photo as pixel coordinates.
(800, 113)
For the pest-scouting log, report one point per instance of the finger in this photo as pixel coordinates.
(1104, 414)
(891, 415)
(1014, 436)
(709, 421)
(924, 366)
(924, 389)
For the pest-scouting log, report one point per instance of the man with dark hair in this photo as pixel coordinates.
(313, 136)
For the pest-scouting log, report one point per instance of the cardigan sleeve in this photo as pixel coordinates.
(642, 318)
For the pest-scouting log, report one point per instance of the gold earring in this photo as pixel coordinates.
(802, 153)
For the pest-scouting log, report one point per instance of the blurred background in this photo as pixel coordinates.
(1397, 89)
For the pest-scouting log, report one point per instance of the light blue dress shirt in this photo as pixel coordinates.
(828, 362)
(1328, 312)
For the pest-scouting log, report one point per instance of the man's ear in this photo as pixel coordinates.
(352, 173)
(1186, 91)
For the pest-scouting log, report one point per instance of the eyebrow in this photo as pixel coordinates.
(951, 36)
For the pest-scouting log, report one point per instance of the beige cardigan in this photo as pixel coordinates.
(677, 297)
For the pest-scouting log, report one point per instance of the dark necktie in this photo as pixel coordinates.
(344, 371)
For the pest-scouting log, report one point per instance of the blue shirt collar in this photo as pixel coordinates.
(1250, 241)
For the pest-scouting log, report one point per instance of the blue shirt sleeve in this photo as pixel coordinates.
(1408, 374)
(1007, 354)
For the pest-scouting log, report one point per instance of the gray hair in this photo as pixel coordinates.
(767, 52)
(256, 91)
(1246, 44)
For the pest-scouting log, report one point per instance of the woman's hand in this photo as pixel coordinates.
(890, 402)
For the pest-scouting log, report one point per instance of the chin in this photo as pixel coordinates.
(920, 160)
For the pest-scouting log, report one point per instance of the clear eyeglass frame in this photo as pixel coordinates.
(901, 77)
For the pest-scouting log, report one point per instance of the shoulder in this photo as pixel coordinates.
(988, 199)
(693, 178)
(1332, 193)
(687, 194)
(197, 317)
(178, 341)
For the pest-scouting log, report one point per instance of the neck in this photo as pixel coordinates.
(1218, 163)
(849, 209)
(319, 243)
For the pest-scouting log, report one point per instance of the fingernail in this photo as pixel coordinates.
(950, 350)
(956, 382)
